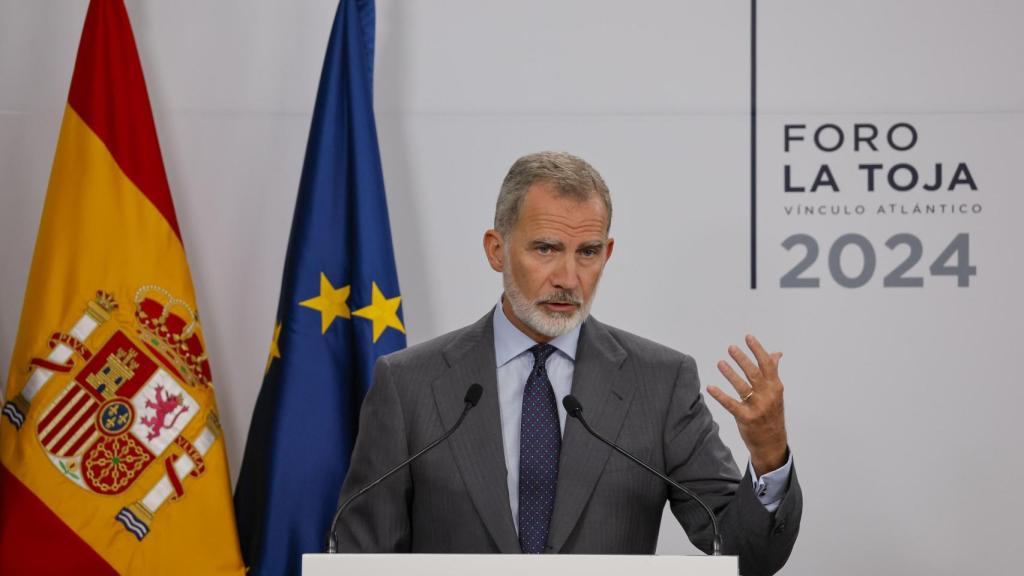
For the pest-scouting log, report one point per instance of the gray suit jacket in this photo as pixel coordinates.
(644, 396)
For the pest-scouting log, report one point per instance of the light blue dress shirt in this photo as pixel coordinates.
(514, 361)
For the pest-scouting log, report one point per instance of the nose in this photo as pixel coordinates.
(564, 276)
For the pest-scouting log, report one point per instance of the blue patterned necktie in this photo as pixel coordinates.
(540, 441)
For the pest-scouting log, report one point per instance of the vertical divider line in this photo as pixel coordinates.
(753, 144)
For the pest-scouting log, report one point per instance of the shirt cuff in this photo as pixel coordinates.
(771, 488)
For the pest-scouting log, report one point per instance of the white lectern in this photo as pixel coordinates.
(514, 565)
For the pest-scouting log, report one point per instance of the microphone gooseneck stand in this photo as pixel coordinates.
(575, 409)
(472, 397)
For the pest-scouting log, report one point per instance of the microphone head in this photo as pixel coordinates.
(473, 394)
(572, 406)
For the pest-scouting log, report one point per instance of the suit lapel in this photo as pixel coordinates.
(605, 395)
(477, 446)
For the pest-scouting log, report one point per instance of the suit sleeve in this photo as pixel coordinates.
(379, 522)
(696, 457)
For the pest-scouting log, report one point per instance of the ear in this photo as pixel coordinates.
(494, 248)
(608, 247)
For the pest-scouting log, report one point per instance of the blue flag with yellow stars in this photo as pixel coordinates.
(339, 311)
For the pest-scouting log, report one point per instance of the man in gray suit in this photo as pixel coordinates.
(517, 477)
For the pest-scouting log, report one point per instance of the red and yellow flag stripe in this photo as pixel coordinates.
(108, 225)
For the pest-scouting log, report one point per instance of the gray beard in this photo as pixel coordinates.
(539, 320)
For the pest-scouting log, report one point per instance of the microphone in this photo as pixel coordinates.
(473, 394)
(575, 409)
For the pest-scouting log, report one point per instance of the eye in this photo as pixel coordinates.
(590, 251)
(544, 249)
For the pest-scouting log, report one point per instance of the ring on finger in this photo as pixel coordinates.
(747, 396)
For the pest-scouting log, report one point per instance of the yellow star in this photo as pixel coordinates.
(332, 302)
(383, 312)
(275, 352)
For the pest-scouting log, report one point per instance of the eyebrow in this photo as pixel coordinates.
(546, 242)
(593, 244)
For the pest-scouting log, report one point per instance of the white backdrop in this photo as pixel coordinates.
(901, 402)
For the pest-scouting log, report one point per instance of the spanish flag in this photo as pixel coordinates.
(112, 457)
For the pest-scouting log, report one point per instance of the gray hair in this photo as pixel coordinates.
(571, 176)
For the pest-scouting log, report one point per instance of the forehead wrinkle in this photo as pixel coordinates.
(589, 226)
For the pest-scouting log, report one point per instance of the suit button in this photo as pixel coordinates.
(779, 528)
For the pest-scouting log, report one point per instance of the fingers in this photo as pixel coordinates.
(769, 363)
(732, 405)
(763, 359)
(749, 368)
(738, 383)
(766, 371)
(762, 376)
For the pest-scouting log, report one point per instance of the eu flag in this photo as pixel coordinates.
(339, 311)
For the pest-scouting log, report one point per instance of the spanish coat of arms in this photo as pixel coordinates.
(127, 402)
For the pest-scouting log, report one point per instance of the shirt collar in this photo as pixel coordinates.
(510, 342)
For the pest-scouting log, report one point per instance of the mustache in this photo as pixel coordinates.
(561, 297)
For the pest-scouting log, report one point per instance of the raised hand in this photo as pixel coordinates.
(759, 410)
